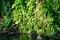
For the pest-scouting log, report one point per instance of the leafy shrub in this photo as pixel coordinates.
(43, 15)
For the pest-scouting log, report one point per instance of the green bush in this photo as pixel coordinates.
(44, 16)
(23, 13)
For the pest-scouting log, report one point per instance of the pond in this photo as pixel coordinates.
(22, 37)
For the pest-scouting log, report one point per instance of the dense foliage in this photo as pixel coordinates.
(42, 16)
